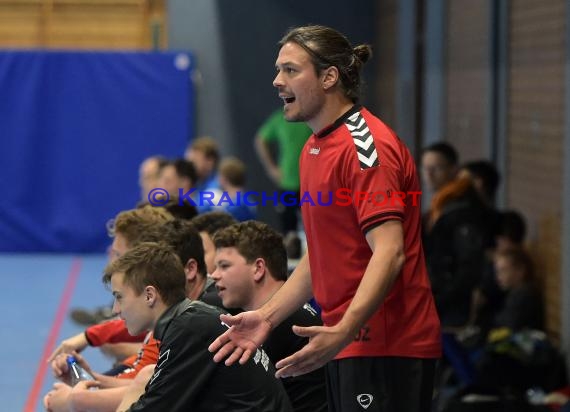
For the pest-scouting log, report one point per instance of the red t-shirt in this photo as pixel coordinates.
(115, 331)
(360, 167)
(111, 331)
(147, 355)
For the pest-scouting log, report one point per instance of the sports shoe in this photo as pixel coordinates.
(85, 317)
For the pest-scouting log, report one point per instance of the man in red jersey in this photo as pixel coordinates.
(365, 262)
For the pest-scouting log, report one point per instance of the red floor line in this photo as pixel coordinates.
(49, 347)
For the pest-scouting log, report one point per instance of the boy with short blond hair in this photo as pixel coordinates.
(148, 284)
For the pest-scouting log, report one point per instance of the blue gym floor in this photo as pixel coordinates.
(34, 290)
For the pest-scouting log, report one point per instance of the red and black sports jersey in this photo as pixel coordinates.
(355, 175)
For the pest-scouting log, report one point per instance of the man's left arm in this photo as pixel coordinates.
(387, 244)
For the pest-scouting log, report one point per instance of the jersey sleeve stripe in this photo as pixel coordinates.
(378, 219)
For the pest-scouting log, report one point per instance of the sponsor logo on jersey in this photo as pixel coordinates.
(364, 400)
(310, 309)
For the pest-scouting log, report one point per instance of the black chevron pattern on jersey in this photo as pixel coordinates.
(363, 140)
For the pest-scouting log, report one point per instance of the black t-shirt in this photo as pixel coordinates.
(186, 378)
(522, 309)
(307, 392)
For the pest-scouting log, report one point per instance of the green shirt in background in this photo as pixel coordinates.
(290, 138)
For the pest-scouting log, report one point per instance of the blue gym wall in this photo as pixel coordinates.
(74, 127)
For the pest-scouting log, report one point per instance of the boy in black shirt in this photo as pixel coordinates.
(148, 285)
(251, 265)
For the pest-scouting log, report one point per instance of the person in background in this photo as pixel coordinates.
(517, 353)
(523, 304)
(458, 234)
(177, 175)
(232, 177)
(148, 174)
(485, 178)
(438, 165)
(488, 297)
(181, 209)
(290, 138)
(204, 153)
(207, 225)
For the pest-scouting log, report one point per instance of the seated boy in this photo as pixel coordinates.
(148, 284)
(251, 266)
(185, 241)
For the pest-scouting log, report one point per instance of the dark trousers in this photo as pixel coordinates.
(380, 384)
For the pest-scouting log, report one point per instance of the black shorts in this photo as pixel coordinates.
(386, 384)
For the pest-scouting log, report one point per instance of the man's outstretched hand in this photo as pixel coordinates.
(324, 344)
(247, 331)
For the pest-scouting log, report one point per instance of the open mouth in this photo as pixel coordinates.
(288, 100)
